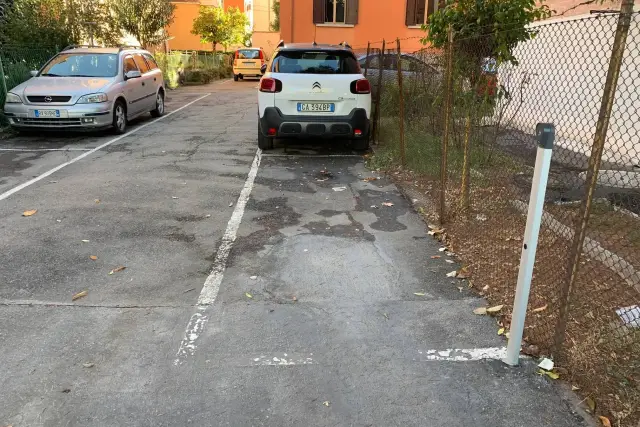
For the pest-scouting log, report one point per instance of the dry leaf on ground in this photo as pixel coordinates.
(294, 299)
(591, 404)
(248, 295)
(79, 295)
(436, 257)
(550, 374)
(539, 309)
(480, 310)
(495, 309)
(371, 178)
(88, 365)
(486, 288)
(420, 294)
(326, 403)
(97, 201)
(85, 241)
(501, 331)
(574, 388)
(29, 212)
(605, 421)
(463, 274)
(454, 273)
(442, 249)
(387, 204)
(117, 269)
(93, 257)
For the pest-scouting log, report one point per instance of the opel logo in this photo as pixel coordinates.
(48, 99)
(316, 85)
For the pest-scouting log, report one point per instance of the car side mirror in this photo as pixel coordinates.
(33, 73)
(132, 74)
(263, 69)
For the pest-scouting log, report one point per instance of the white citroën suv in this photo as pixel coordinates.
(86, 87)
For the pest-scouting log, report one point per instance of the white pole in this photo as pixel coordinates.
(545, 133)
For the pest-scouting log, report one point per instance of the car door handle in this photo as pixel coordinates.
(154, 79)
(142, 83)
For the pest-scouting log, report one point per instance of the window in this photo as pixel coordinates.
(81, 65)
(335, 12)
(248, 54)
(129, 64)
(315, 62)
(142, 65)
(150, 61)
(418, 11)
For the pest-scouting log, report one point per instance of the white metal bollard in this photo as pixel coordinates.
(545, 133)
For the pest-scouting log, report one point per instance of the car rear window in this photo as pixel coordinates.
(248, 54)
(315, 62)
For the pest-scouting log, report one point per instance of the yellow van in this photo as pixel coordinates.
(247, 63)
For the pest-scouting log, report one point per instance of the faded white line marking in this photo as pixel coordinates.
(282, 360)
(318, 156)
(463, 355)
(24, 185)
(27, 150)
(38, 303)
(211, 287)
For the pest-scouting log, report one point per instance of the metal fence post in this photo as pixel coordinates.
(376, 119)
(366, 61)
(447, 126)
(2, 77)
(403, 155)
(591, 182)
(546, 134)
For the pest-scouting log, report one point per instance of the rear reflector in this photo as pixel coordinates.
(271, 131)
(363, 86)
(357, 132)
(270, 85)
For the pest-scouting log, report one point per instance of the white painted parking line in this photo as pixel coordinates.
(27, 150)
(463, 354)
(24, 185)
(282, 359)
(211, 287)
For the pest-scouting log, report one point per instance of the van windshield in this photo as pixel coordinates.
(82, 65)
(248, 54)
(315, 62)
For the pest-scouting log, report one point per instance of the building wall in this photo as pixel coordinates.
(266, 40)
(180, 28)
(374, 24)
(262, 15)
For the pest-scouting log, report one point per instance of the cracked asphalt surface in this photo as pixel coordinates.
(331, 335)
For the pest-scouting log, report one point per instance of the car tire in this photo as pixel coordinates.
(235, 78)
(264, 142)
(360, 144)
(159, 110)
(119, 123)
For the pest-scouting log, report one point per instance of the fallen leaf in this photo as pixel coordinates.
(539, 309)
(574, 388)
(449, 261)
(386, 316)
(436, 257)
(494, 309)
(248, 295)
(79, 295)
(117, 269)
(463, 274)
(189, 290)
(591, 404)
(371, 178)
(605, 421)
(253, 277)
(339, 188)
(294, 299)
(173, 197)
(454, 273)
(208, 216)
(66, 390)
(442, 249)
(387, 204)
(326, 403)
(29, 212)
(85, 241)
(89, 365)
(93, 257)
(230, 204)
(486, 288)
(420, 294)
(480, 310)
(97, 201)
(550, 374)
(501, 331)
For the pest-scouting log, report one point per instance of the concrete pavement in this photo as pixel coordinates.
(311, 316)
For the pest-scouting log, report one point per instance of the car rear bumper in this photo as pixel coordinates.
(315, 126)
(79, 116)
(247, 71)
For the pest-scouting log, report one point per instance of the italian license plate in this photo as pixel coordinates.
(47, 114)
(320, 107)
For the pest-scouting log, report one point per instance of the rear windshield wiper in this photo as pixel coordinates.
(49, 75)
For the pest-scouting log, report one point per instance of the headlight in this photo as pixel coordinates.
(94, 98)
(12, 98)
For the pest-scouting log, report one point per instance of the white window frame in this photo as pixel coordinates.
(426, 15)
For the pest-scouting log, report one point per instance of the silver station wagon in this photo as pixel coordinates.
(88, 88)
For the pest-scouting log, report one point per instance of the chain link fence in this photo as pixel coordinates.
(461, 127)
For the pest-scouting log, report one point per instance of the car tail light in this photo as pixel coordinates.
(357, 132)
(270, 85)
(361, 86)
(261, 57)
(272, 131)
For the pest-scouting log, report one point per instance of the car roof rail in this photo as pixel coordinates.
(280, 43)
(345, 44)
(121, 48)
(77, 46)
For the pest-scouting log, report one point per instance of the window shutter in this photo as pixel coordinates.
(431, 5)
(318, 11)
(411, 12)
(352, 12)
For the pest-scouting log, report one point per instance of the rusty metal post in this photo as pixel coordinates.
(608, 97)
(403, 154)
(376, 119)
(447, 126)
(366, 61)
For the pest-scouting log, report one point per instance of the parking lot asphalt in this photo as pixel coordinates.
(259, 289)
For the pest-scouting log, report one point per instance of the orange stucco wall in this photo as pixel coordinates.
(374, 24)
(234, 3)
(180, 28)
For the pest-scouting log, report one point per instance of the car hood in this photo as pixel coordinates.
(72, 86)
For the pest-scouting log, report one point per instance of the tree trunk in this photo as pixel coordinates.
(466, 168)
(214, 46)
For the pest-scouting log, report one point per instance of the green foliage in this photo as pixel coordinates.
(483, 29)
(145, 20)
(37, 22)
(216, 26)
(275, 25)
(92, 21)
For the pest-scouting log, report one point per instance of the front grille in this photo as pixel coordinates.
(41, 99)
(51, 122)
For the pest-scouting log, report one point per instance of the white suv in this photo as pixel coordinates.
(314, 91)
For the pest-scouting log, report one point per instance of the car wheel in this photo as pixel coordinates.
(360, 144)
(235, 78)
(159, 110)
(264, 142)
(119, 118)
